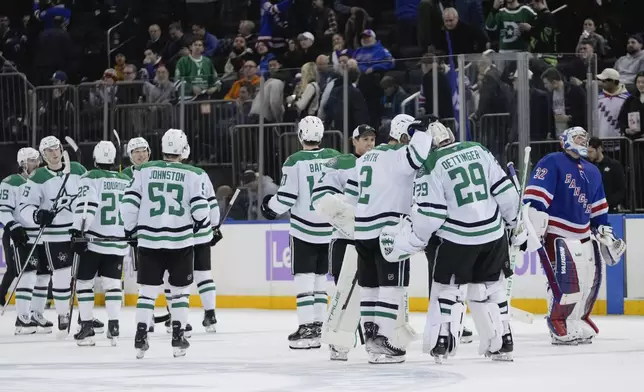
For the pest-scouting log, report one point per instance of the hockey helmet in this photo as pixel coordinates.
(310, 129)
(136, 143)
(575, 139)
(104, 153)
(25, 154)
(399, 126)
(49, 142)
(186, 153)
(440, 134)
(174, 142)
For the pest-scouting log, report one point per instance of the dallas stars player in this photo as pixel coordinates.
(385, 174)
(138, 150)
(340, 177)
(15, 238)
(163, 206)
(310, 233)
(55, 249)
(465, 200)
(102, 190)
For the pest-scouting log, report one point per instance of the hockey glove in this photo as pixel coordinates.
(266, 211)
(216, 236)
(44, 218)
(17, 233)
(78, 247)
(611, 248)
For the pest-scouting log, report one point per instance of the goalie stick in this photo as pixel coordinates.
(66, 172)
(165, 317)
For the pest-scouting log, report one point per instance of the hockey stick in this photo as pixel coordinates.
(102, 239)
(166, 317)
(75, 271)
(74, 147)
(119, 149)
(66, 172)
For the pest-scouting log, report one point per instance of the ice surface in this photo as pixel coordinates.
(249, 353)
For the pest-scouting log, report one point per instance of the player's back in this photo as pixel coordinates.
(471, 178)
(309, 165)
(385, 191)
(167, 188)
(11, 190)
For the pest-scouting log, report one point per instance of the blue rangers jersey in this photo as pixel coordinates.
(571, 192)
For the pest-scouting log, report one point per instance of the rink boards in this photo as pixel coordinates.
(251, 268)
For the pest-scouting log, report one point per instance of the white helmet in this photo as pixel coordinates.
(186, 152)
(439, 134)
(310, 129)
(104, 153)
(49, 142)
(174, 142)
(135, 143)
(25, 154)
(399, 126)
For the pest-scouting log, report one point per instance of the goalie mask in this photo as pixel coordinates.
(440, 134)
(575, 139)
(51, 150)
(399, 126)
(310, 129)
(104, 153)
(135, 144)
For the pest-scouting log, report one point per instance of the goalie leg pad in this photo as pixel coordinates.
(489, 306)
(445, 316)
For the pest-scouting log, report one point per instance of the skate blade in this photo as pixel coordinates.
(302, 344)
(99, 331)
(178, 352)
(211, 328)
(86, 343)
(187, 334)
(585, 341)
(555, 342)
(315, 343)
(502, 357)
(339, 357)
(439, 359)
(44, 330)
(140, 353)
(24, 331)
(466, 340)
(377, 359)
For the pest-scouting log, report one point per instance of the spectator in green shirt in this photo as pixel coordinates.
(197, 72)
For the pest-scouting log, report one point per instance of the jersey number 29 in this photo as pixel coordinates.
(471, 185)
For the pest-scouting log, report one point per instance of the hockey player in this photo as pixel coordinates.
(164, 205)
(385, 175)
(340, 177)
(138, 150)
(310, 234)
(38, 198)
(567, 199)
(15, 238)
(102, 190)
(465, 200)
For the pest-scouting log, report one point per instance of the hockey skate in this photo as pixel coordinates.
(63, 324)
(317, 334)
(383, 352)
(113, 332)
(44, 325)
(338, 353)
(25, 326)
(187, 332)
(370, 333)
(179, 342)
(84, 337)
(210, 321)
(467, 336)
(141, 340)
(439, 352)
(151, 328)
(505, 353)
(303, 338)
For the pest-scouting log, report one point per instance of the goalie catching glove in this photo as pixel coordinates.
(335, 209)
(399, 242)
(610, 247)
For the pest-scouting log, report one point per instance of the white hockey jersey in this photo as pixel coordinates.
(11, 189)
(338, 176)
(103, 191)
(162, 202)
(204, 235)
(40, 193)
(463, 195)
(385, 178)
(300, 173)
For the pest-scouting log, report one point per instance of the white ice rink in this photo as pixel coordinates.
(250, 354)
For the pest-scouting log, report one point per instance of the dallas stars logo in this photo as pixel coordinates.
(62, 256)
(65, 201)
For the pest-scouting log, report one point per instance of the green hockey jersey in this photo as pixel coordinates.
(506, 22)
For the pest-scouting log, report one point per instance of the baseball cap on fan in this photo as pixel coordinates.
(59, 76)
(609, 74)
(362, 130)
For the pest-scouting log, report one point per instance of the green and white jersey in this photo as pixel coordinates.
(463, 195)
(11, 189)
(40, 193)
(300, 173)
(103, 191)
(128, 172)
(204, 235)
(339, 176)
(162, 202)
(506, 22)
(385, 183)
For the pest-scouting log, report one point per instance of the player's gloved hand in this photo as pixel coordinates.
(77, 246)
(421, 124)
(132, 240)
(519, 238)
(44, 217)
(216, 236)
(17, 233)
(612, 248)
(266, 211)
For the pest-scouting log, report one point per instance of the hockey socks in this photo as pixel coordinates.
(39, 299)
(386, 309)
(368, 300)
(113, 297)
(61, 289)
(180, 304)
(85, 295)
(320, 299)
(207, 289)
(145, 303)
(24, 293)
(305, 285)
